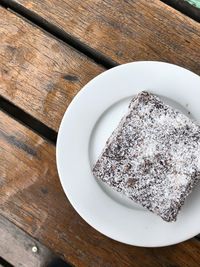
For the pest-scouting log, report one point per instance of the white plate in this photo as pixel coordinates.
(86, 125)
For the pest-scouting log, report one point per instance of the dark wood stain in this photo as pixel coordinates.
(44, 190)
(5, 71)
(50, 87)
(71, 78)
(19, 144)
(12, 49)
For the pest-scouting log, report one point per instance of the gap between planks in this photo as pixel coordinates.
(60, 34)
(29, 121)
(16, 248)
(185, 8)
(4, 263)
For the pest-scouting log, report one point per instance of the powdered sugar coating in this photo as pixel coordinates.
(153, 156)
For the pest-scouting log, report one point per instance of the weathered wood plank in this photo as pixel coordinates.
(19, 249)
(32, 198)
(190, 8)
(38, 73)
(126, 30)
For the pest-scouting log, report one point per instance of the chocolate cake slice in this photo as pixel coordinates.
(153, 156)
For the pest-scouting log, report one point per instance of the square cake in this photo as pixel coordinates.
(153, 156)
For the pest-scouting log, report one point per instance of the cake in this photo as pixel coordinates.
(153, 156)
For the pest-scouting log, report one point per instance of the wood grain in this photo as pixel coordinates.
(32, 198)
(38, 73)
(189, 8)
(16, 247)
(126, 30)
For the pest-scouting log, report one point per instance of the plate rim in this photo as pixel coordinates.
(58, 145)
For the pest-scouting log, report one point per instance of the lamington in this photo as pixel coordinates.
(153, 156)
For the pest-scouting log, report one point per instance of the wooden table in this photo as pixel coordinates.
(49, 49)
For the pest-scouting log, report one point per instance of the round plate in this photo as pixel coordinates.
(86, 125)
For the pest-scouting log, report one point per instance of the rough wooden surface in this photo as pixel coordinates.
(189, 8)
(38, 73)
(16, 247)
(29, 188)
(127, 30)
